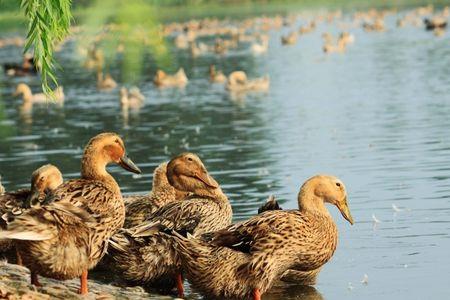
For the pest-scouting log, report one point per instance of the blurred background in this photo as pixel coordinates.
(357, 89)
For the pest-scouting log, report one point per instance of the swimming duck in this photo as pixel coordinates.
(307, 28)
(43, 180)
(132, 98)
(144, 254)
(139, 207)
(289, 39)
(28, 97)
(435, 23)
(105, 82)
(27, 67)
(243, 260)
(238, 82)
(260, 48)
(216, 76)
(68, 235)
(376, 25)
(179, 79)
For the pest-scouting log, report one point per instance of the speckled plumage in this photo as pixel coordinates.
(291, 275)
(43, 180)
(139, 207)
(145, 254)
(69, 234)
(250, 255)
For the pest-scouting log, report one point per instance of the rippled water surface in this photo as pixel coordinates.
(377, 116)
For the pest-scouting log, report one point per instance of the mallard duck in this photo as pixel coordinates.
(291, 275)
(245, 259)
(238, 82)
(43, 180)
(179, 79)
(132, 98)
(27, 67)
(68, 235)
(144, 254)
(105, 82)
(139, 207)
(435, 23)
(289, 39)
(376, 25)
(216, 76)
(28, 97)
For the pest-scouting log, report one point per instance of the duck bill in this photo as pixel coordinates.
(126, 163)
(345, 211)
(206, 179)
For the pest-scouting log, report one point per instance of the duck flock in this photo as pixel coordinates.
(182, 230)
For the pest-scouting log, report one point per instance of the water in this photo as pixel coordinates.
(376, 116)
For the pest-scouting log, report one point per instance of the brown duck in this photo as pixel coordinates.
(43, 180)
(243, 260)
(145, 254)
(139, 207)
(69, 235)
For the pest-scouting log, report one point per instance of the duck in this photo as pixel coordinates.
(376, 25)
(245, 259)
(144, 254)
(39, 98)
(260, 48)
(339, 47)
(216, 76)
(27, 67)
(138, 207)
(105, 82)
(435, 23)
(68, 235)
(304, 278)
(289, 39)
(307, 28)
(43, 180)
(179, 79)
(2, 188)
(238, 82)
(131, 98)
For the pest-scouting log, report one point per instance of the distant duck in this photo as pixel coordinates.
(28, 97)
(216, 76)
(307, 28)
(105, 82)
(132, 98)
(347, 38)
(238, 82)
(179, 79)
(260, 48)
(289, 39)
(27, 67)
(376, 25)
(435, 23)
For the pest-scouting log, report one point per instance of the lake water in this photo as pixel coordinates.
(377, 116)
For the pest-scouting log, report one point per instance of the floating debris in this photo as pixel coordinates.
(350, 286)
(365, 279)
(395, 208)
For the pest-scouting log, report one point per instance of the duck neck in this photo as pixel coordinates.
(27, 94)
(93, 168)
(309, 202)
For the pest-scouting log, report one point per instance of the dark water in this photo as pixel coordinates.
(377, 116)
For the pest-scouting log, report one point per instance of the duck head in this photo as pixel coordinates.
(186, 172)
(322, 189)
(43, 180)
(103, 149)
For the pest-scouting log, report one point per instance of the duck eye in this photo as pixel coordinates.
(189, 158)
(116, 141)
(338, 184)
